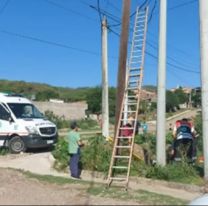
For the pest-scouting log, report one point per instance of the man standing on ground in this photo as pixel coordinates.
(74, 150)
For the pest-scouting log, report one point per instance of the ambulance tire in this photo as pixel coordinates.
(16, 145)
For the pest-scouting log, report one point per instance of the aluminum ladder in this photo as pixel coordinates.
(119, 169)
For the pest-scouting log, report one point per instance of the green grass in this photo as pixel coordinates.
(98, 189)
(54, 179)
(139, 196)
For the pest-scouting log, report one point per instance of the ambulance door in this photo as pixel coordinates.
(5, 124)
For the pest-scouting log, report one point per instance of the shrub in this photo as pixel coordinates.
(87, 124)
(61, 155)
(94, 156)
(61, 122)
(97, 154)
(178, 172)
(4, 151)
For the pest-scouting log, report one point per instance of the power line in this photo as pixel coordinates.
(109, 15)
(68, 10)
(142, 5)
(152, 11)
(4, 6)
(171, 58)
(52, 43)
(181, 5)
(113, 6)
(155, 57)
(172, 65)
(98, 5)
(48, 42)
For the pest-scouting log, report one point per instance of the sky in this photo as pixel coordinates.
(58, 42)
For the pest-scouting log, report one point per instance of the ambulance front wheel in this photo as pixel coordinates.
(16, 145)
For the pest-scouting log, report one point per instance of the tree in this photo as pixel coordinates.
(172, 101)
(46, 95)
(182, 97)
(94, 100)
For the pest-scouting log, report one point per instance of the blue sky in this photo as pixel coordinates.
(58, 42)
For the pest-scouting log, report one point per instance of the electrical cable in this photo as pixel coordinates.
(181, 5)
(100, 15)
(152, 11)
(4, 6)
(48, 42)
(68, 10)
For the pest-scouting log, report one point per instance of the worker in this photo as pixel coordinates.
(184, 133)
(74, 144)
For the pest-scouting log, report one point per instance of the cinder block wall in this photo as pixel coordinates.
(69, 111)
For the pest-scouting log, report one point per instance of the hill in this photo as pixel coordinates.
(43, 92)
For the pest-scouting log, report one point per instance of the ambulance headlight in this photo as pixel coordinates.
(31, 130)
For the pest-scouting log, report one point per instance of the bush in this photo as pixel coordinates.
(87, 124)
(61, 122)
(94, 156)
(177, 172)
(61, 155)
(97, 154)
(4, 151)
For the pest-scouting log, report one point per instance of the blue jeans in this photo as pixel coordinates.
(74, 164)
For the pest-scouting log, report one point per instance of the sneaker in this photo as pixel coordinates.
(76, 178)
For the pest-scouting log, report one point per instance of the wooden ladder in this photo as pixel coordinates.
(120, 164)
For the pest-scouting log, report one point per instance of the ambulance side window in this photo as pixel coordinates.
(4, 115)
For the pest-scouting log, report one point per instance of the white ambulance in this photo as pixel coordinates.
(23, 126)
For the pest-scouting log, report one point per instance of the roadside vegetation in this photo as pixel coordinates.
(97, 153)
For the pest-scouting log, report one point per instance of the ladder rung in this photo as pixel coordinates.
(136, 26)
(135, 62)
(117, 178)
(131, 103)
(134, 75)
(126, 137)
(132, 96)
(128, 111)
(120, 167)
(123, 147)
(141, 30)
(132, 88)
(128, 128)
(136, 56)
(138, 40)
(133, 82)
(120, 157)
(134, 68)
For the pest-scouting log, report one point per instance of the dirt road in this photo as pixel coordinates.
(15, 188)
(171, 120)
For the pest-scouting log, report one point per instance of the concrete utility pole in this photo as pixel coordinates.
(203, 12)
(161, 88)
(122, 60)
(105, 107)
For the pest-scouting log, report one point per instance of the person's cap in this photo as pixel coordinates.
(73, 125)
